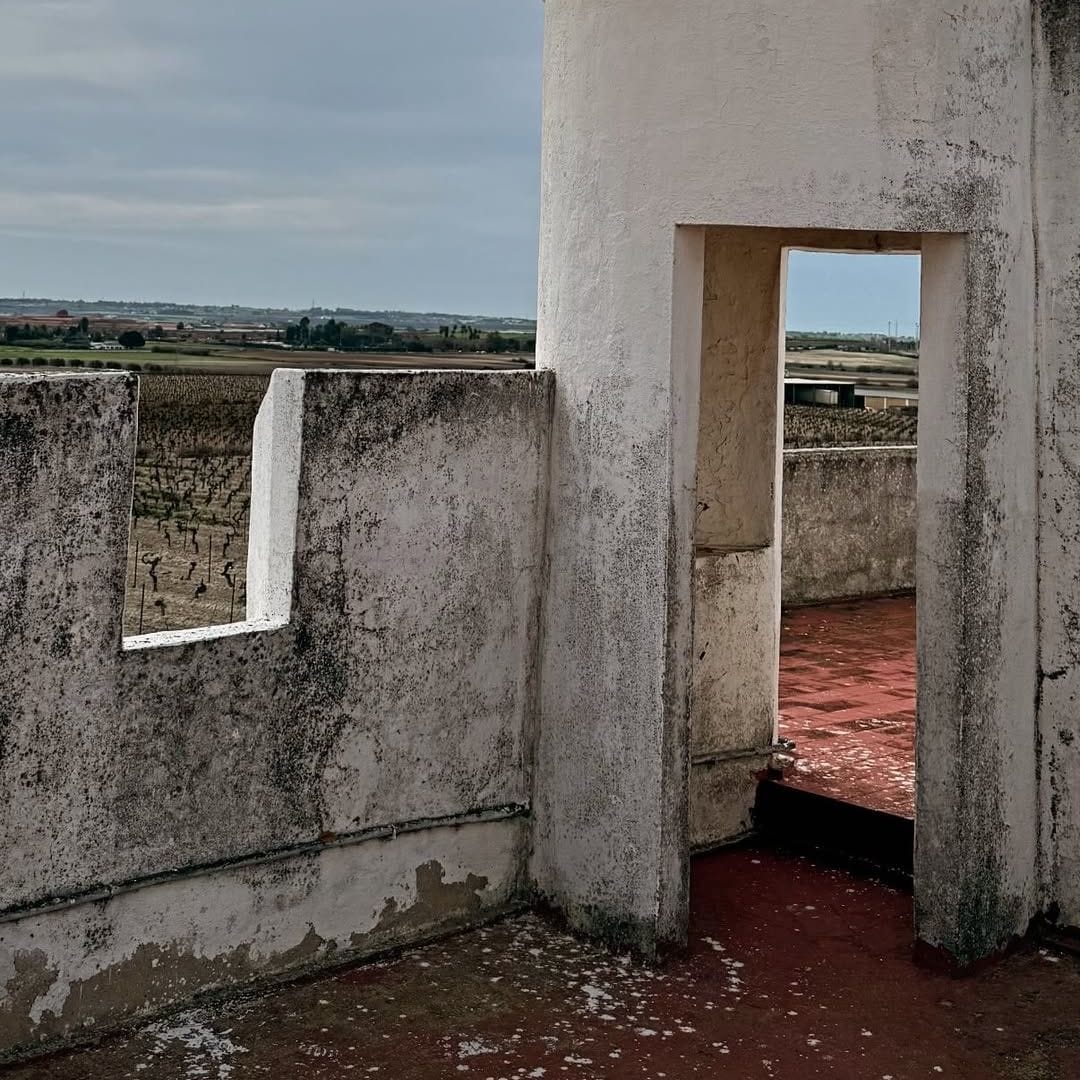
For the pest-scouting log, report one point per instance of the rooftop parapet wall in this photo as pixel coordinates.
(347, 771)
(849, 523)
(66, 450)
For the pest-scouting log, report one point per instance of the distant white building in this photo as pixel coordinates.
(106, 346)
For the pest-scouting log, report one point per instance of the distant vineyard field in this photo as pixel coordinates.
(187, 552)
(807, 426)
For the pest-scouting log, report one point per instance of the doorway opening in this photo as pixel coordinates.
(847, 679)
(804, 540)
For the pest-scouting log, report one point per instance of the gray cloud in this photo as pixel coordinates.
(363, 152)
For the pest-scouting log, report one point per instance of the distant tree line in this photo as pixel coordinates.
(798, 340)
(76, 335)
(382, 337)
(77, 363)
(325, 334)
(72, 335)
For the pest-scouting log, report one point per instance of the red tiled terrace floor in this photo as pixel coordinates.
(847, 700)
(793, 971)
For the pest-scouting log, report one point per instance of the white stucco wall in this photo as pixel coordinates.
(440, 666)
(314, 778)
(660, 119)
(738, 461)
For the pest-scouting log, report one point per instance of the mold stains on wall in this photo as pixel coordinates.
(976, 817)
(408, 627)
(976, 813)
(18, 438)
(65, 490)
(1057, 159)
(6, 722)
(387, 412)
(595, 850)
(395, 637)
(401, 690)
(837, 542)
(1058, 23)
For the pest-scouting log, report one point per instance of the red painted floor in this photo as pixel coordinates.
(847, 700)
(793, 971)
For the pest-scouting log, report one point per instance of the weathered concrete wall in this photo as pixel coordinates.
(737, 461)
(664, 119)
(736, 531)
(736, 641)
(849, 523)
(1057, 142)
(350, 769)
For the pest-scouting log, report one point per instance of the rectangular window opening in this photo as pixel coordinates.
(191, 504)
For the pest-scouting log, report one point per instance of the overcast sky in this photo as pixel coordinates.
(367, 153)
(361, 153)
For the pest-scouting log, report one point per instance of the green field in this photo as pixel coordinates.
(13, 353)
